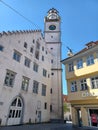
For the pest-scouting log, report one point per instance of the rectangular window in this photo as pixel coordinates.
(27, 62)
(31, 49)
(45, 105)
(43, 90)
(71, 67)
(94, 82)
(90, 60)
(37, 45)
(9, 78)
(16, 56)
(42, 48)
(35, 67)
(73, 86)
(83, 85)
(35, 87)
(25, 45)
(42, 58)
(1, 48)
(79, 63)
(50, 108)
(37, 55)
(44, 72)
(25, 83)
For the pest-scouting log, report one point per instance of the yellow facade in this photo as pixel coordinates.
(82, 85)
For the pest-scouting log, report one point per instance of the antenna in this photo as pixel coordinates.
(69, 53)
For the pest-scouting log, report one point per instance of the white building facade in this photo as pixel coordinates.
(29, 87)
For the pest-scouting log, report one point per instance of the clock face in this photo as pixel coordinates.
(52, 27)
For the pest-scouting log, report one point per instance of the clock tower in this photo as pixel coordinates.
(52, 34)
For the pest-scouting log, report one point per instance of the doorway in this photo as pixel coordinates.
(15, 112)
(79, 117)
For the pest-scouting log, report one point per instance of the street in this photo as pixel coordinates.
(48, 126)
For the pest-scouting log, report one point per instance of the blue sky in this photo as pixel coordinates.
(79, 20)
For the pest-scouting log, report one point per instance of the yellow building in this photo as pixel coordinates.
(82, 83)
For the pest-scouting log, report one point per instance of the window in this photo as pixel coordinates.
(31, 49)
(52, 61)
(1, 48)
(43, 90)
(45, 105)
(37, 45)
(9, 78)
(42, 58)
(71, 67)
(50, 108)
(35, 67)
(16, 56)
(94, 82)
(79, 63)
(90, 60)
(52, 73)
(27, 62)
(33, 41)
(51, 90)
(42, 48)
(35, 86)
(25, 83)
(73, 86)
(25, 44)
(37, 54)
(44, 72)
(83, 84)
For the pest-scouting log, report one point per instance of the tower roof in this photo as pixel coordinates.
(53, 10)
(53, 15)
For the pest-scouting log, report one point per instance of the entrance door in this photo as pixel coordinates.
(79, 117)
(39, 116)
(15, 112)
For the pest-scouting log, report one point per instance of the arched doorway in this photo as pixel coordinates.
(15, 112)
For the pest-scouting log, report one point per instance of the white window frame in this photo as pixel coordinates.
(35, 67)
(79, 63)
(43, 90)
(71, 67)
(94, 82)
(25, 83)
(35, 87)
(27, 62)
(90, 60)
(83, 84)
(16, 56)
(44, 72)
(9, 78)
(73, 86)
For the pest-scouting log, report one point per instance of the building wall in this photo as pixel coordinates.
(83, 101)
(15, 41)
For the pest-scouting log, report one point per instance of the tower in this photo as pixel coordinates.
(52, 34)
